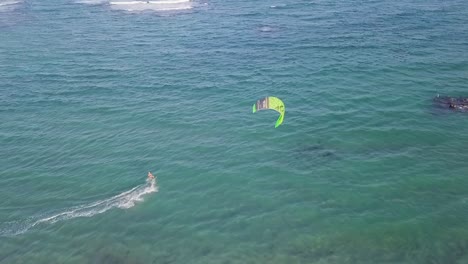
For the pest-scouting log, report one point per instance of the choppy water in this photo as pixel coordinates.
(364, 168)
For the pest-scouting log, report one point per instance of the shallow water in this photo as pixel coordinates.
(364, 169)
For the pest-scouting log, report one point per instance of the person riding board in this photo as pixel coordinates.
(151, 179)
(150, 176)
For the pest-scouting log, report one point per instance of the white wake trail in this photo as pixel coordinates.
(159, 5)
(9, 2)
(92, 2)
(9, 5)
(124, 200)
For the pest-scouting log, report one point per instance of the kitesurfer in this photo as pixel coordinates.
(150, 176)
(151, 179)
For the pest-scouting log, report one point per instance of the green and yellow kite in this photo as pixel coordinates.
(273, 103)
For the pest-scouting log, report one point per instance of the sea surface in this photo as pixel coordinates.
(364, 169)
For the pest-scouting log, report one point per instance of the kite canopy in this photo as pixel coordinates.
(273, 103)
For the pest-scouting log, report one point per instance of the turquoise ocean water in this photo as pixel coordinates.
(364, 168)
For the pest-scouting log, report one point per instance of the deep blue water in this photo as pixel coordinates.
(364, 169)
